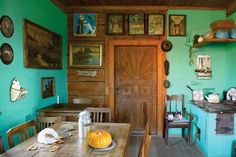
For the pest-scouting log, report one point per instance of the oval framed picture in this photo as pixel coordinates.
(6, 53)
(7, 27)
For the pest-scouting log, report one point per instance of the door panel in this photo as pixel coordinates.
(135, 84)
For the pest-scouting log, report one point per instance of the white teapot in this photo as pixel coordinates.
(213, 98)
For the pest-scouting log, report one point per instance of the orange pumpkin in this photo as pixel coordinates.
(99, 139)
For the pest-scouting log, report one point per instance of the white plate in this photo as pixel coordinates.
(231, 93)
(112, 146)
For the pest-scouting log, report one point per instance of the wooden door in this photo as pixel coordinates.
(135, 86)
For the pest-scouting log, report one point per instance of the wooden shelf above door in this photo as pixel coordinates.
(214, 40)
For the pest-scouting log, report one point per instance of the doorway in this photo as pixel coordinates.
(135, 86)
(136, 74)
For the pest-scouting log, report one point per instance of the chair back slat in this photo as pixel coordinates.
(175, 103)
(145, 145)
(21, 131)
(99, 114)
(45, 122)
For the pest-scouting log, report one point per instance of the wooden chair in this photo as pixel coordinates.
(100, 115)
(174, 106)
(22, 132)
(144, 148)
(1, 145)
(45, 122)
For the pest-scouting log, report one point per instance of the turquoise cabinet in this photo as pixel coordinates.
(204, 134)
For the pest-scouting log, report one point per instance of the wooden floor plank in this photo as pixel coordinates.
(177, 148)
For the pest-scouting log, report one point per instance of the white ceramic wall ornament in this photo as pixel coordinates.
(17, 92)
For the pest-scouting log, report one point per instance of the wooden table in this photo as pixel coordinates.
(75, 146)
(69, 112)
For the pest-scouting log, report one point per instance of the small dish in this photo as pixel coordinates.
(166, 46)
(6, 25)
(6, 53)
(112, 146)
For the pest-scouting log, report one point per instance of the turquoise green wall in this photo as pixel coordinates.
(182, 74)
(231, 60)
(46, 14)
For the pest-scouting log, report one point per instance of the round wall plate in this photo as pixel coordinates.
(166, 83)
(7, 27)
(6, 53)
(166, 46)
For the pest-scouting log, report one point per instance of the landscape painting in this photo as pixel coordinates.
(85, 55)
(42, 48)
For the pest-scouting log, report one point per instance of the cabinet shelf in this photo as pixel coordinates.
(214, 40)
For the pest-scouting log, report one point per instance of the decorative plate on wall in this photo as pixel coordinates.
(166, 46)
(6, 53)
(6, 26)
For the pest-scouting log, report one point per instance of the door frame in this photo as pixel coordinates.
(161, 91)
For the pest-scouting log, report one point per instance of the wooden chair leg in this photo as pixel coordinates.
(189, 134)
(183, 133)
(166, 135)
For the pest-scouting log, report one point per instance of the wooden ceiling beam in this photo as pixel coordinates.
(59, 5)
(127, 9)
(231, 9)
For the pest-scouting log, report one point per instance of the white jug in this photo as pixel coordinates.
(84, 119)
(213, 98)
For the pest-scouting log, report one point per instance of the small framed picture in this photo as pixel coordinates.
(115, 24)
(177, 25)
(48, 87)
(85, 55)
(136, 24)
(156, 24)
(85, 24)
(204, 70)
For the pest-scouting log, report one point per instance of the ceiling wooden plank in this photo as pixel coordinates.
(59, 4)
(99, 9)
(231, 9)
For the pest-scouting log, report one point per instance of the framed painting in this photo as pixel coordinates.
(136, 24)
(156, 24)
(177, 25)
(42, 47)
(48, 87)
(115, 24)
(204, 70)
(85, 55)
(85, 24)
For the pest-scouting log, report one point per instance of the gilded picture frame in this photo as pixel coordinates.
(136, 24)
(115, 24)
(177, 25)
(156, 24)
(48, 87)
(42, 47)
(85, 55)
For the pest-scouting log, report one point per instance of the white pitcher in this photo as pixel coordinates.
(84, 119)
